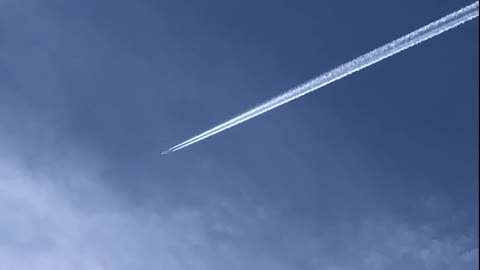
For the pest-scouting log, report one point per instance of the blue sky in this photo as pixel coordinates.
(376, 171)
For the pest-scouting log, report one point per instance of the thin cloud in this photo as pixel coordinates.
(418, 36)
(57, 212)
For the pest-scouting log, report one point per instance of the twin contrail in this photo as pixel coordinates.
(433, 29)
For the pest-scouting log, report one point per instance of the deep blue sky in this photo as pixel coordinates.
(391, 148)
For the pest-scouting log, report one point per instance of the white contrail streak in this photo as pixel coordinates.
(433, 29)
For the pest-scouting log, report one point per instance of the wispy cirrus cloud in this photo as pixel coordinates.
(56, 212)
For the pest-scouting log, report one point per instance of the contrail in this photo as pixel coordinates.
(433, 29)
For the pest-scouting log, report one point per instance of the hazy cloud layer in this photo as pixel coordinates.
(56, 212)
